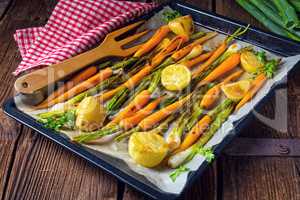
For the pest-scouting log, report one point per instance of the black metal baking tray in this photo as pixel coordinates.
(269, 41)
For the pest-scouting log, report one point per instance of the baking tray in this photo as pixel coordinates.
(269, 41)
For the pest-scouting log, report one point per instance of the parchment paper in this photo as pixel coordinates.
(160, 176)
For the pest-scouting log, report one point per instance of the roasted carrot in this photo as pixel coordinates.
(193, 62)
(85, 85)
(153, 41)
(173, 46)
(132, 121)
(139, 101)
(214, 93)
(216, 54)
(202, 125)
(205, 38)
(136, 78)
(227, 65)
(157, 59)
(78, 78)
(185, 50)
(195, 133)
(258, 82)
(156, 117)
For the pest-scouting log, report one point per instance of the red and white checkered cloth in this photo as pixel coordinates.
(74, 26)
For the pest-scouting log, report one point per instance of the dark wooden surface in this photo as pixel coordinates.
(32, 167)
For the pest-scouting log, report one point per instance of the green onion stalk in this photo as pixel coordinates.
(272, 15)
(296, 4)
(268, 23)
(287, 13)
(187, 155)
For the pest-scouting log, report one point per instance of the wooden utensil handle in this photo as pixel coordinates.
(40, 78)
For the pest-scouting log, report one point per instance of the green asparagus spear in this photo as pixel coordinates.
(117, 100)
(90, 136)
(185, 156)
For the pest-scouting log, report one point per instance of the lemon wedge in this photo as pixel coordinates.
(235, 91)
(147, 148)
(175, 77)
(249, 62)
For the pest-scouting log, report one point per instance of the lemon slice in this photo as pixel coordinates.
(236, 91)
(249, 62)
(147, 148)
(175, 77)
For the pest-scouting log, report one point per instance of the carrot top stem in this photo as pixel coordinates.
(237, 33)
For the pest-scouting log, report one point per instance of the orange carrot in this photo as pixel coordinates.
(136, 78)
(78, 78)
(132, 121)
(156, 117)
(258, 82)
(205, 38)
(85, 85)
(230, 63)
(108, 94)
(138, 102)
(185, 50)
(153, 41)
(195, 133)
(216, 54)
(214, 93)
(173, 46)
(194, 61)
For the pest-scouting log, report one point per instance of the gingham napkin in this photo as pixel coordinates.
(74, 26)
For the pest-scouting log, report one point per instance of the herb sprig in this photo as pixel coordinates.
(57, 122)
(170, 15)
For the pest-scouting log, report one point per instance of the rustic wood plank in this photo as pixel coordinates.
(231, 9)
(9, 129)
(260, 178)
(44, 170)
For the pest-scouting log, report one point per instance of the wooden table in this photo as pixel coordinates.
(33, 167)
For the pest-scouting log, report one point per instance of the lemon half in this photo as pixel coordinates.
(250, 62)
(236, 91)
(147, 148)
(175, 77)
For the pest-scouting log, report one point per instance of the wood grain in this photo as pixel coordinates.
(32, 167)
(44, 170)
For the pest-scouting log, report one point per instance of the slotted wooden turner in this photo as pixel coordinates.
(29, 83)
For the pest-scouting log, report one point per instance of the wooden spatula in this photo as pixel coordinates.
(29, 83)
